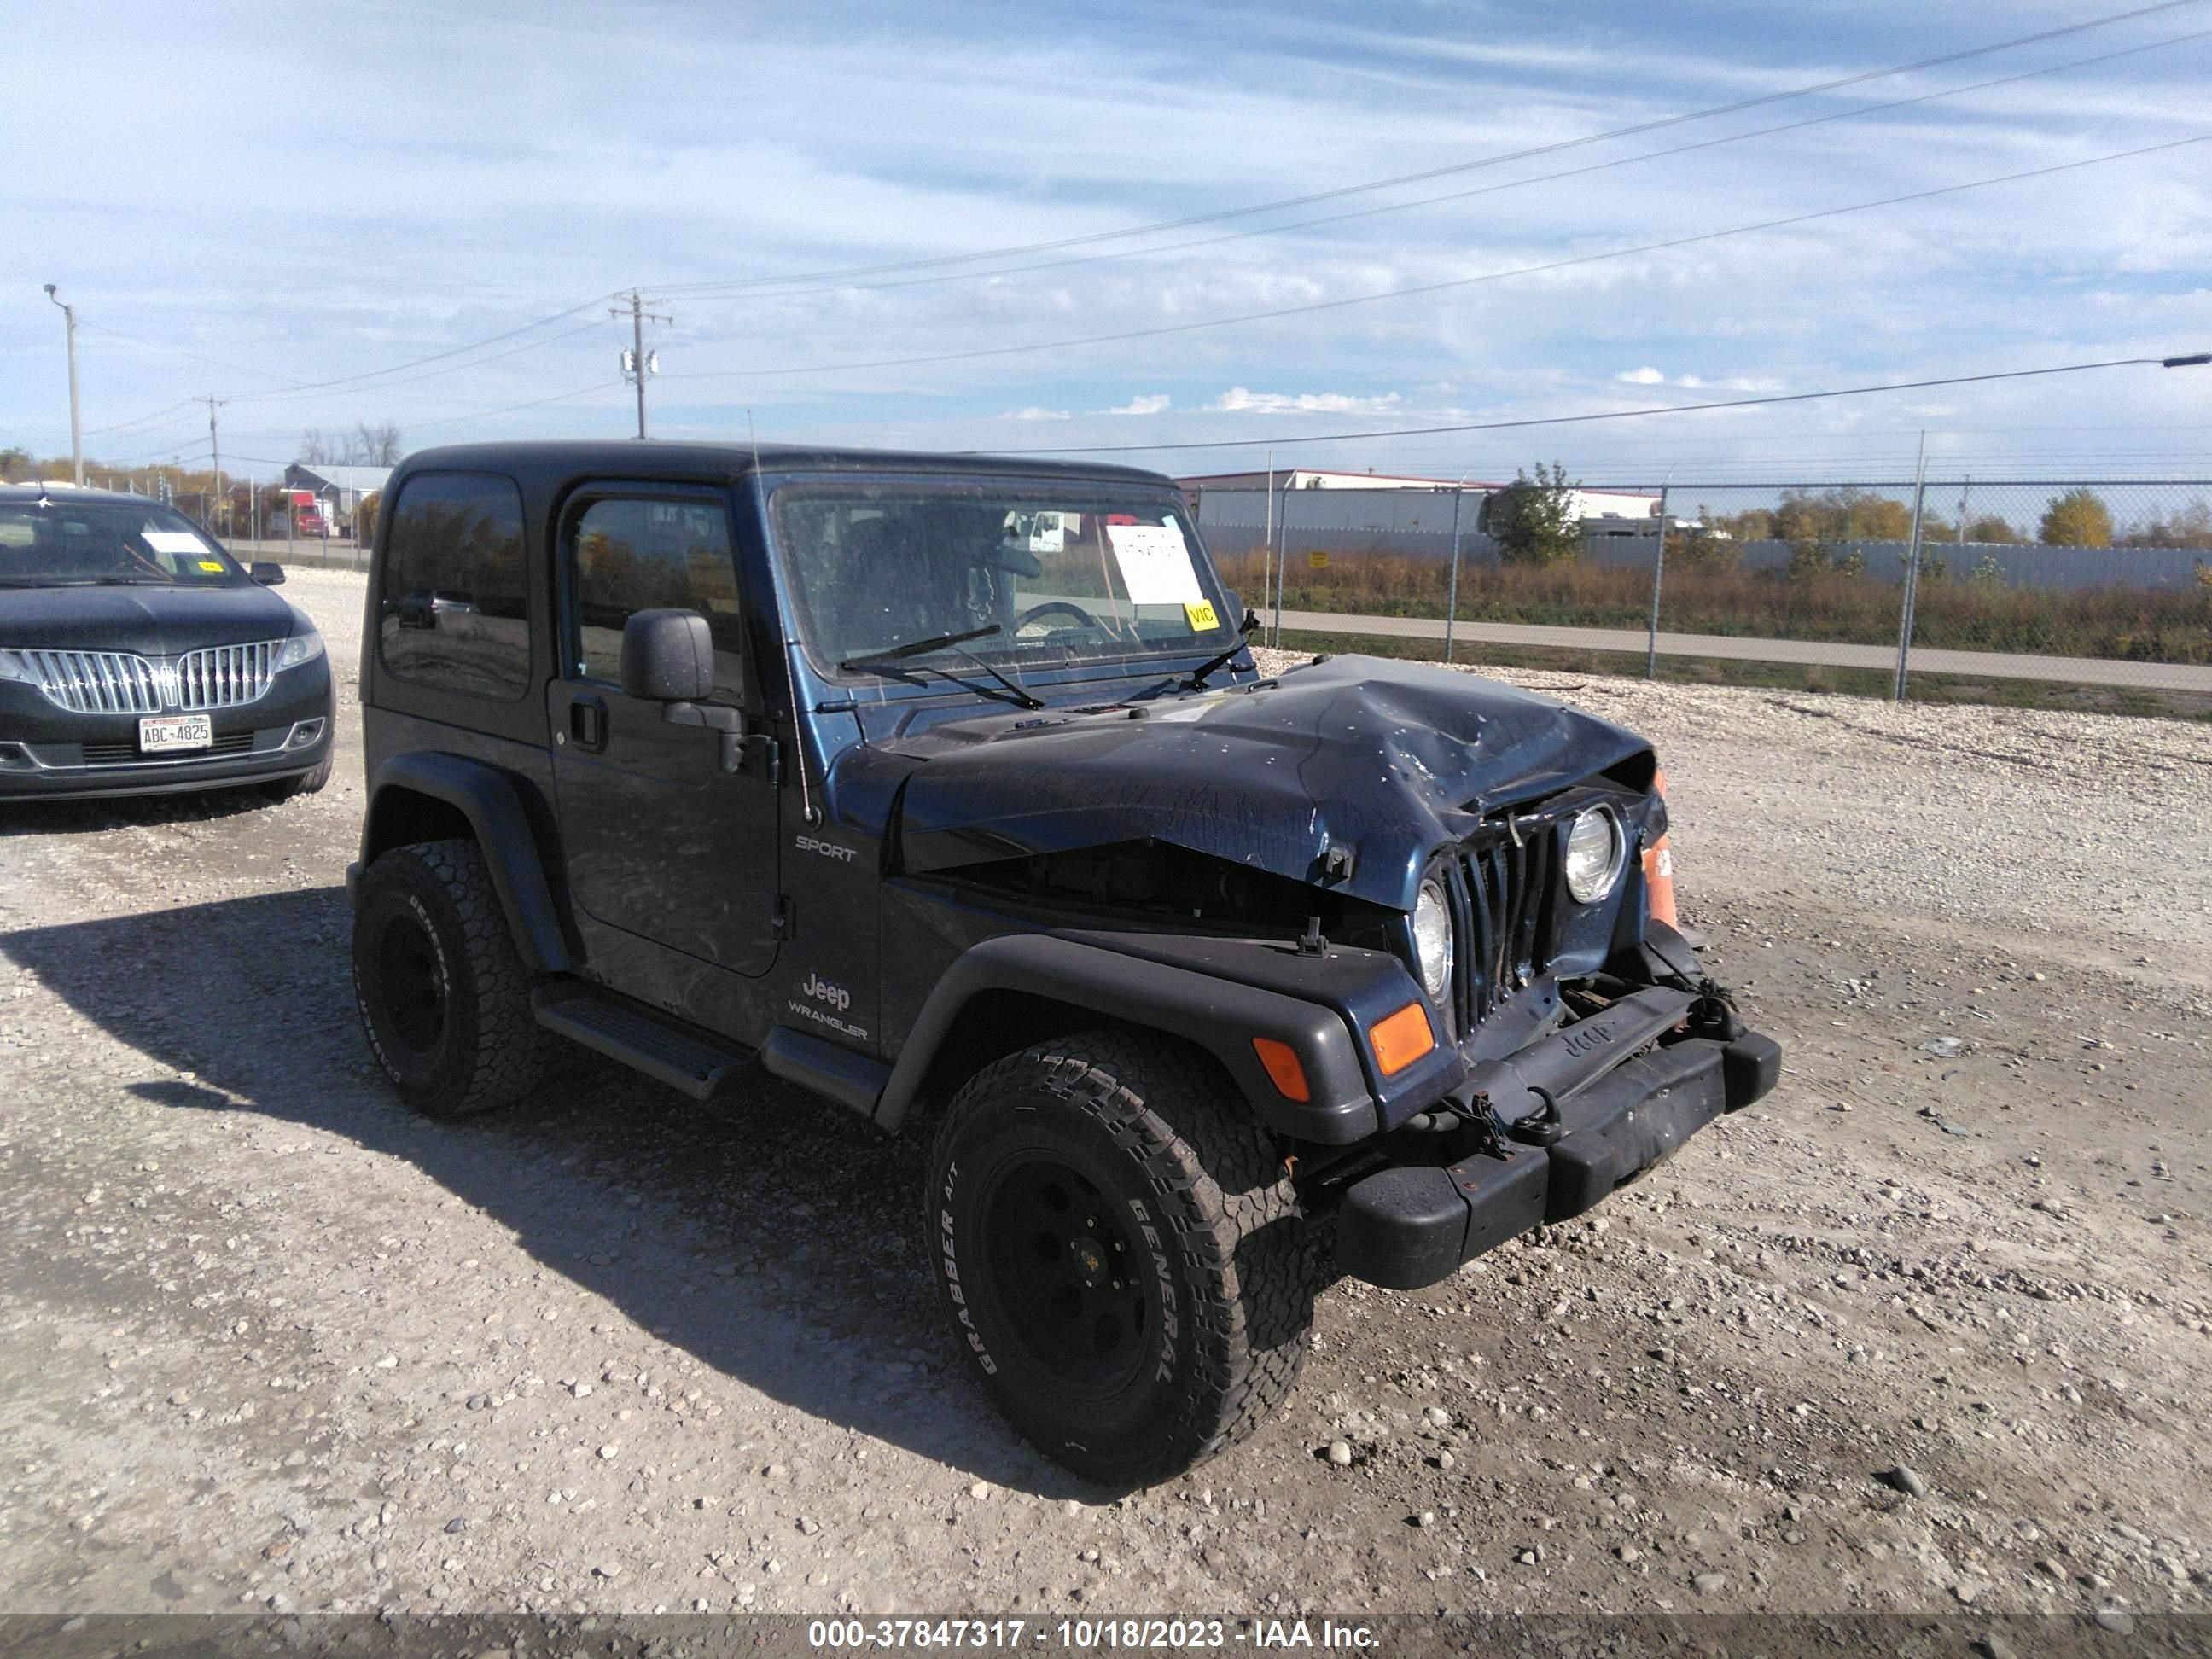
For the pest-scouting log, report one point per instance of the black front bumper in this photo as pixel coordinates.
(1411, 1226)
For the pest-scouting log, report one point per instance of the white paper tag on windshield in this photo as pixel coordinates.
(1155, 562)
(174, 541)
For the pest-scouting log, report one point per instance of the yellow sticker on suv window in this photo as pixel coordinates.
(1202, 619)
(213, 565)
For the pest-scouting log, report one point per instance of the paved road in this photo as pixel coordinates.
(1992, 664)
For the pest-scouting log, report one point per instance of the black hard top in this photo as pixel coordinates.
(550, 461)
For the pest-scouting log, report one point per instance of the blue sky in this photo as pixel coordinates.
(254, 201)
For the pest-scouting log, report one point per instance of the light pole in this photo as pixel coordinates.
(77, 428)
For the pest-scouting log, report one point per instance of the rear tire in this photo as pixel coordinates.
(1121, 1254)
(443, 995)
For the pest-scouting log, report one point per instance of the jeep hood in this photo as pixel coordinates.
(1388, 760)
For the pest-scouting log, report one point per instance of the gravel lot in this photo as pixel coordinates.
(273, 1342)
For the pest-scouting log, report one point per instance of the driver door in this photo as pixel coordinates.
(662, 844)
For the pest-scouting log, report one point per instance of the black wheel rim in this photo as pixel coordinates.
(1071, 1282)
(412, 983)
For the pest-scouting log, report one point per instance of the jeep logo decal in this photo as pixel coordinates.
(835, 995)
(1583, 1039)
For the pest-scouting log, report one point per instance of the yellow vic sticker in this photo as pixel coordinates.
(213, 565)
(1202, 619)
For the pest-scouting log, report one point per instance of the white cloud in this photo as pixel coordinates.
(600, 186)
(1237, 400)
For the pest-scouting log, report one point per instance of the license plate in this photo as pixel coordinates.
(167, 733)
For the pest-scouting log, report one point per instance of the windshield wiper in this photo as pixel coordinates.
(913, 676)
(1027, 698)
(1215, 665)
(915, 647)
(1016, 694)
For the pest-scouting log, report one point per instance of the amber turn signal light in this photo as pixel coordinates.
(1401, 1039)
(1283, 1070)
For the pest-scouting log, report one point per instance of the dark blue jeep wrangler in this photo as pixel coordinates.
(944, 787)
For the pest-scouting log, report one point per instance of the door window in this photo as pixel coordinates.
(450, 610)
(628, 554)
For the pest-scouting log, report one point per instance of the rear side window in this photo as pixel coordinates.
(629, 553)
(450, 610)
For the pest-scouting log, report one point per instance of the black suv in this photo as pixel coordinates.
(136, 658)
(944, 785)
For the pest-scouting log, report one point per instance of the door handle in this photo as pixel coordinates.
(587, 723)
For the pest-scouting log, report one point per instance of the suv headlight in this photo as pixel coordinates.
(1432, 938)
(299, 649)
(1593, 856)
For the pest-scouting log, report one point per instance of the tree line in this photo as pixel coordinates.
(1533, 522)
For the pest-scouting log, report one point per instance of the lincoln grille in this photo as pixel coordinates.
(128, 754)
(118, 683)
(97, 682)
(224, 675)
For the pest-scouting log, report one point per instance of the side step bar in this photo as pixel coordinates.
(663, 1050)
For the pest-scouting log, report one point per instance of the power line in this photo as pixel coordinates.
(179, 351)
(1053, 246)
(1486, 190)
(535, 403)
(533, 345)
(143, 420)
(1604, 415)
(1308, 309)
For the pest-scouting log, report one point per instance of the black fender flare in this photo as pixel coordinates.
(487, 798)
(1219, 1016)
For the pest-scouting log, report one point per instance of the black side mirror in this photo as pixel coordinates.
(667, 656)
(268, 575)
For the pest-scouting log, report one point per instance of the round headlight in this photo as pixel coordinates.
(1592, 856)
(1432, 938)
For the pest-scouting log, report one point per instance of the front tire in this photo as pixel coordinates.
(443, 996)
(1121, 1254)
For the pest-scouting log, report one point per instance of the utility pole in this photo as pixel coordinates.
(215, 446)
(637, 362)
(77, 428)
(1912, 570)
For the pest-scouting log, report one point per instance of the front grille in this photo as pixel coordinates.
(97, 682)
(1501, 889)
(224, 675)
(127, 754)
(118, 683)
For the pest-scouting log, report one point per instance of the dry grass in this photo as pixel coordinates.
(2129, 624)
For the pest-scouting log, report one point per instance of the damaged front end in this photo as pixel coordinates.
(1546, 1132)
(1592, 1043)
(1466, 885)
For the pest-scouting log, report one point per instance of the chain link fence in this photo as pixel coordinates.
(2080, 594)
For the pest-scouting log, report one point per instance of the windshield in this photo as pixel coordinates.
(1024, 574)
(61, 542)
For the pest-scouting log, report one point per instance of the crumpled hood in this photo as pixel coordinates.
(148, 621)
(1390, 760)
